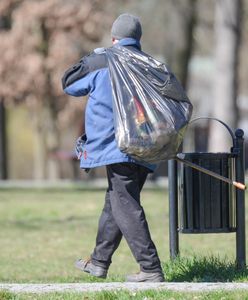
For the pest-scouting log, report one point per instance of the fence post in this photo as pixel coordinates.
(173, 209)
(240, 200)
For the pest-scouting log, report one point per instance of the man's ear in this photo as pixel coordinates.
(114, 41)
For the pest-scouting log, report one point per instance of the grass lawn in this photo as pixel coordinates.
(124, 295)
(44, 231)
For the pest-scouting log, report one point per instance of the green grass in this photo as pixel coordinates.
(123, 295)
(203, 269)
(44, 231)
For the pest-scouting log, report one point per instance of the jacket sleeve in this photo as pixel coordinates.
(76, 80)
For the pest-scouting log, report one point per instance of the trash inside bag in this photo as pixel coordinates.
(151, 109)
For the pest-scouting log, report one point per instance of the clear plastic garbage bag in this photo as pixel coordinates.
(151, 109)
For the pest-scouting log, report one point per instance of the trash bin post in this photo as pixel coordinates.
(173, 209)
(240, 196)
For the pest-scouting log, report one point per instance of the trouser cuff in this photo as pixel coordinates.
(101, 264)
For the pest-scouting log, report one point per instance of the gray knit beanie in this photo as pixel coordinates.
(126, 26)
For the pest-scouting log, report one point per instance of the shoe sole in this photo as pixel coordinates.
(154, 278)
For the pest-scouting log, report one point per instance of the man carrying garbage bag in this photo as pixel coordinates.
(122, 214)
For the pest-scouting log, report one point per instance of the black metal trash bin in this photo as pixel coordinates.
(207, 205)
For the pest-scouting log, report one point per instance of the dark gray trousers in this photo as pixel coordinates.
(123, 215)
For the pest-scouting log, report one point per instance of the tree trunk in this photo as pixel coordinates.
(3, 142)
(39, 149)
(46, 143)
(50, 130)
(5, 24)
(227, 34)
(52, 137)
(185, 54)
(183, 57)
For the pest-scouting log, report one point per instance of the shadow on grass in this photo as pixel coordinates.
(203, 269)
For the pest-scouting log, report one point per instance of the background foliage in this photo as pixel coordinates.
(205, 43)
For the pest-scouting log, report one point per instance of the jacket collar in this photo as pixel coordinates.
(130, 42)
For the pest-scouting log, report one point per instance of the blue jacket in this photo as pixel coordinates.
(91, 77)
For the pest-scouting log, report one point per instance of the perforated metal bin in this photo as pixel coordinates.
(207, 205)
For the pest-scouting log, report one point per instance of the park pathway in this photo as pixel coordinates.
(133, 287)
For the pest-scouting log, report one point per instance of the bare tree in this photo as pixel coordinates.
(45, 38)
(228, 35)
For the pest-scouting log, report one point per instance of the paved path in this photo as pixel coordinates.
(94, 287)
